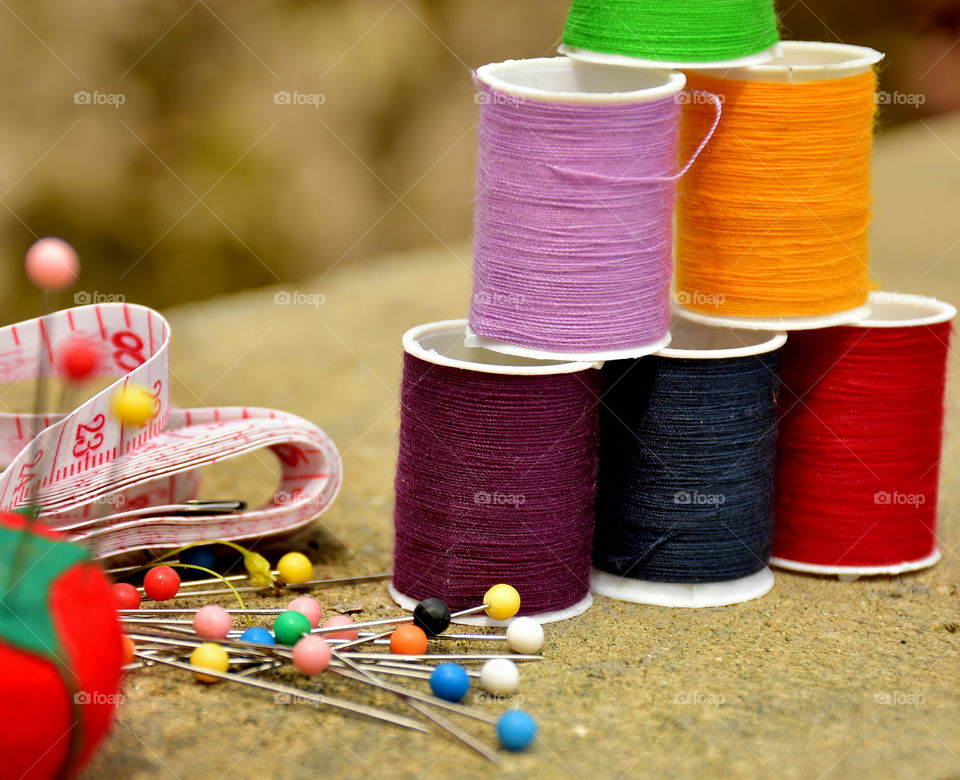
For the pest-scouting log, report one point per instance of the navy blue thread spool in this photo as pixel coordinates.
(684, 503)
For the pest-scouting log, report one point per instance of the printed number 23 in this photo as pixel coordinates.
(88, 436)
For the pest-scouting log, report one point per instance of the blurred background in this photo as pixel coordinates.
(192, 148)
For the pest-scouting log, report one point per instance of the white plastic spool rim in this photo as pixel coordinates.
(608, 59)
(409, 603)
(443, 343)
(803, 61)
(563, 80)
(682, 594)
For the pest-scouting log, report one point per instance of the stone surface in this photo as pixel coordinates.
(789, 686)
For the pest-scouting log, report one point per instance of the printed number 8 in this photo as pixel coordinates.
(129, 353)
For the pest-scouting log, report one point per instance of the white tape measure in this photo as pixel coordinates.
(85, 462)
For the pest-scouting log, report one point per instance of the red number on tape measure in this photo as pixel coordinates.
(26, 473)
(88, 438)
(129, 352)
(157, 403)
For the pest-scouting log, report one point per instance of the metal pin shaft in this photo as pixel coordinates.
(295, 694)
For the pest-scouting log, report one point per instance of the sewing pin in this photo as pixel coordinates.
(290, 694)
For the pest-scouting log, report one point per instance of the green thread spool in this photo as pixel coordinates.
(667, 32)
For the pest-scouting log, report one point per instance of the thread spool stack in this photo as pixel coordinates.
(577, 169)
(575, 196)
(495, 477)
(860, 442)
(684, 504)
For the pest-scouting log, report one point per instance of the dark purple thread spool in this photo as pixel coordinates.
(496, 476)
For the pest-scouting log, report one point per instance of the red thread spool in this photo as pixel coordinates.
(861, 430)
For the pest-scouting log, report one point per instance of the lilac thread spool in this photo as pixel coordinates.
(496, 476)
(576, 173)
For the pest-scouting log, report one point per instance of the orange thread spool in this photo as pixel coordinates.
(772, 219)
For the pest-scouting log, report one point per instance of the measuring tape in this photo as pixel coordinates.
(115, 488)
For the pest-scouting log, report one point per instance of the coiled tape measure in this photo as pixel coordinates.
(117, 489)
